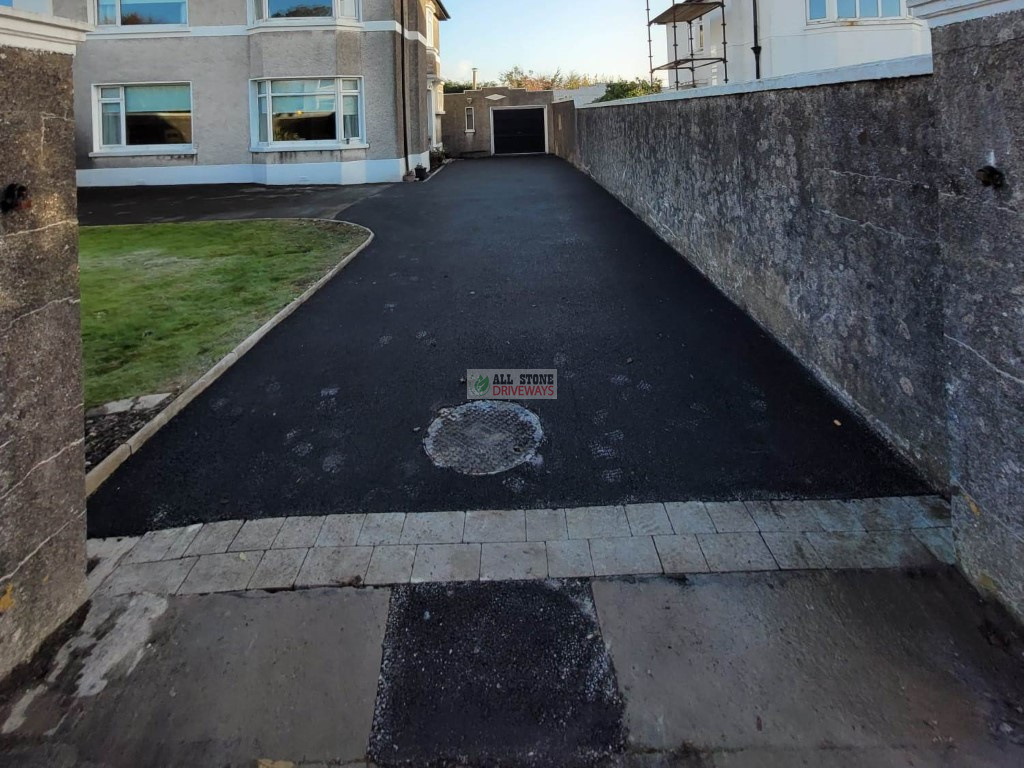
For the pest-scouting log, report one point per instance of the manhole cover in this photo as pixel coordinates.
(483, 438)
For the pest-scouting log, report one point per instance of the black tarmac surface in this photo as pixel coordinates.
(667, 390)
(495, 674)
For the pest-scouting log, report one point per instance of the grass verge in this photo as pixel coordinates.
(161, 303)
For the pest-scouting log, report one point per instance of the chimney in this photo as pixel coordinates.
(474, 78)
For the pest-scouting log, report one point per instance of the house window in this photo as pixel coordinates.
(470, 120)
(870, 9)
(144, 116)
(430, 26)
(295, 111)
(113, 13)
(276, 10)
(817, 10)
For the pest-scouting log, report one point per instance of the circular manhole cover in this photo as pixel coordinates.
(483, 438)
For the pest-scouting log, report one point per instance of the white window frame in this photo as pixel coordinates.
(336, 17)
(95, 8)
(98, 100)
(832, 14)
(291, 146)
(470, 120)
(431, 24)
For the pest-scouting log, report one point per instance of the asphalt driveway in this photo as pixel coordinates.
(668, 391)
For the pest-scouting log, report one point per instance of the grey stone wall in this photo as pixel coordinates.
(42, 489)
(847, 219)
(979, 109)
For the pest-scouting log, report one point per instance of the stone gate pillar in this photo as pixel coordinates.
(42, 489)
(978, 47)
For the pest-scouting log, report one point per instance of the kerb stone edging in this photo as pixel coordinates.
(102, 471)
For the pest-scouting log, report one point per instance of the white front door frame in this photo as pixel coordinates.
(547, 149)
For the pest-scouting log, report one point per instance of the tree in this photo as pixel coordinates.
(544, 81)
(627, 89)
(459, 87)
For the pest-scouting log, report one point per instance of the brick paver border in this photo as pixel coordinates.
(637, 539)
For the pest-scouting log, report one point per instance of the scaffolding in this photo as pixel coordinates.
(687, 12)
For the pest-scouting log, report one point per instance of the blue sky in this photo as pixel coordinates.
(603, 37)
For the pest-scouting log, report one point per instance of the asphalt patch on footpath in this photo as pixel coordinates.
(515, 673)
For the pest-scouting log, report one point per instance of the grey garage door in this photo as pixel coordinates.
(519, 131)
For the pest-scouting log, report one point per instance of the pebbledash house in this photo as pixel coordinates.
(256, 91)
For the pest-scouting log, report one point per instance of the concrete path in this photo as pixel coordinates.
(772, 670)
(669, 392)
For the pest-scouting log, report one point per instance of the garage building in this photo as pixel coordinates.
(497, 121)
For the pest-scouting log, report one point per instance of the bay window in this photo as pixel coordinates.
(308, 112)
(123, 13)
(157, 116)
(279, 10)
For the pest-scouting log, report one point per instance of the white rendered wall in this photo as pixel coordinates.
(791, 44)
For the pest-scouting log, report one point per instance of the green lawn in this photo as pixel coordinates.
(161, 303)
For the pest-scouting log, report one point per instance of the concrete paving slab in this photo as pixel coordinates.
(446, 562)
(257, 535)
(214, 538)
(881, 514)
(837, 516)
(730, 516)
(514, 561)
(229, 680)
(877, 549)
(681, 554)
(180, 545)
(343, 530)
(784, 516)
(228, 572)
(153, 546)
(546, 525)
(570, 559)
(299, 533)
(391, 564)
(434, 528)
(382, 528)
(333, 566)
(496, 526)
(648, 520)
(689, 517)
(103, 556)
(624, 556)
(597, 522)
(792, 551)
(736, 552)
(160, 578)
(939, 542)
(278, 569)
(819, 664)
(928, 511)
(512, 674)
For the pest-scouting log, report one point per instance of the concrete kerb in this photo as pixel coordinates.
(102, 471)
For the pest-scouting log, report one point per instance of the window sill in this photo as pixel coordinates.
(136, 29)
(832, 23)
(473, 131)
(170, 149)
(315, 22)
(306, 146)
